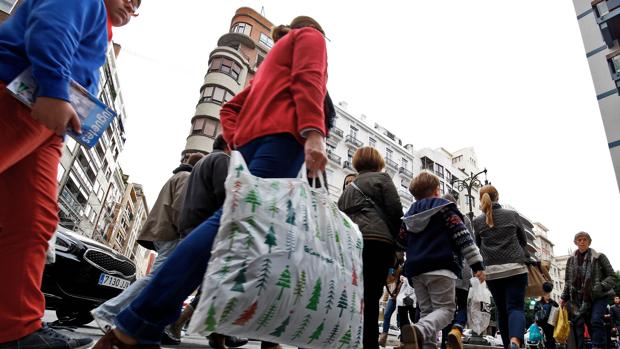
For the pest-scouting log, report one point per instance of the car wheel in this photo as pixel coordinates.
(73, 317)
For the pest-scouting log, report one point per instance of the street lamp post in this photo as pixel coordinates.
(468, 184)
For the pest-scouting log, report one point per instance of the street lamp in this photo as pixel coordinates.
(469, 183)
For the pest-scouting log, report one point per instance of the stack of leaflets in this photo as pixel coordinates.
(94, 115)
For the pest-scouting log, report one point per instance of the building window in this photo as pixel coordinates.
(405, 163)
(265, 40)
(7, 6)
(448, 176)
(602, 9)
(242, 28)
(372, 142)
(215, 94)
(404, 183)
(353, 132)
(259, 59)
(388, 154)
(61, 172)
(70, 143)
(205, 126)
(439, 170)
(442, 186)
(226, 66)
(457, 159)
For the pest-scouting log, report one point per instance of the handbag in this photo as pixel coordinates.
(562, 329)
(536, 277)
(286, 265)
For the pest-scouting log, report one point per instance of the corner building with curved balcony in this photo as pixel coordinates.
(232, 65)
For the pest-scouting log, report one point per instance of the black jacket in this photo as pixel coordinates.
(380, 188)
(205, 191)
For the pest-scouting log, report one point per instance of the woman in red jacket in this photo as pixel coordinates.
(277, 123)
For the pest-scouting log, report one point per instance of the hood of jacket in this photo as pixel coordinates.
(183, 167)
(419, 215)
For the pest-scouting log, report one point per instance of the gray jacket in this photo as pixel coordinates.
(380, 188)
(505, 242)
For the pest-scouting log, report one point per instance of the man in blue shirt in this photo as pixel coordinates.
(61, 40)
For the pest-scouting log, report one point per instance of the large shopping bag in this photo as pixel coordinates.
(478, 306)
(554, 313)
(562, 328)
(286, 265)
(536, 277)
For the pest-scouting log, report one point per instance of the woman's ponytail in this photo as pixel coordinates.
(488, 195)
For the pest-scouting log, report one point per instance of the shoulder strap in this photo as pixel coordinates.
(379, 210)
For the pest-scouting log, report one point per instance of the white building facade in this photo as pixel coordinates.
(599, 23)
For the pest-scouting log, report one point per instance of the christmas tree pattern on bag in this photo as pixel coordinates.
(253, 199)
(246, 315)
(228, 308)
(316, 294)
(317, 333)
(280, 329)
(345, 339)
(240, 279)
(270, 239)
(266, 318)
(264, 275)
(330, 295)
(332, 335)
(302, 327)
(300, 287)
(284, 281)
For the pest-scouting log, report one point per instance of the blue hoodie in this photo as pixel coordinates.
(436, 238)
(60, 39)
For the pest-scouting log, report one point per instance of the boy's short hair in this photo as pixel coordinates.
(368, 159)
(424, 185)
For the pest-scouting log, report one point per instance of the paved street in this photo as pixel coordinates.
(189, 342)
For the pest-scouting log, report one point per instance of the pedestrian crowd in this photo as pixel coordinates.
(421, 261)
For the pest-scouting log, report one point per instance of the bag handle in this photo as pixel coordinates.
(318, 182)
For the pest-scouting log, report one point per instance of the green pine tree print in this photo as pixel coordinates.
(354, 276)
(284, 281)
(247, 315)
(302, 327)
(240, 279)
(264, 275)
(345, 339)
(337, 236)
(290, 212)
(248, 241)
(300, 287)
(317, 333)
(353, 304)
(305, 220)
(270, 239)
(228, 308)
(275, 186)
(343, 301)
(225, 268)
(210, 322)
(280, 329)
(331, 294)
(238, 170)
(332, 335)
(253, 199)
(349, 242)
(330, 231)
(316, 294)
(346, 223)
(273, 208)
(291, 242)
(358, 337)
(234, 231)
(302, 193)
(266, 318)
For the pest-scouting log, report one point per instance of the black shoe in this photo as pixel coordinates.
(48, 338)
(234, 342)
(168, 338)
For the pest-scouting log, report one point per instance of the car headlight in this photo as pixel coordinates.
(66, 244)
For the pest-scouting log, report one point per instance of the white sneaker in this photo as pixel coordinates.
(105, 324)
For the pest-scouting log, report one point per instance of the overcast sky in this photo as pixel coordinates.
(508, 78)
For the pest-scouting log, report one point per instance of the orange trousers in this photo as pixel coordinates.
(29, 156)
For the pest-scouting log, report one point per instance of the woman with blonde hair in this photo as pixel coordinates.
(372, 202)
(502, 241)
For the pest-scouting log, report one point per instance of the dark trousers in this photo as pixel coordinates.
(407, 315)
(509, 296)
(595, 324)
(549, 340)
(378, 257)
(460, 315)
(278, 156)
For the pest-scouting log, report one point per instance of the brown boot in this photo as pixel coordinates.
(177, 326)
(383, 339)
(411, 337)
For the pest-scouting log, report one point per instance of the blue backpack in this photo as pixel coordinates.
(535, 333)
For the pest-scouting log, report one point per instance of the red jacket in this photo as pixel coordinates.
(285, 96)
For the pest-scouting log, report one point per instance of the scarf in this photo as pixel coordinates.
(581, 290)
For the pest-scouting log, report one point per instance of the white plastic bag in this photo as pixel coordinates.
(478, 306)
(286, 265)
(554, 313)
(50, 255)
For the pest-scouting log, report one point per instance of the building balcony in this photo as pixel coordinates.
(347, 164)
(405, 172)
(405, 194)
(333, 157)
(608, 12)
(336, 133)
(353, 142)
(391, 164)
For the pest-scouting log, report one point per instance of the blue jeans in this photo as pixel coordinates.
(509, 296)
(108, 310)
(387, 314)
(276, 156)
(595, 323)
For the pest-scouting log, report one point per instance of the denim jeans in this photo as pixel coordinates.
(595, 324)
(108, 310)
(387, 314)
(276, 156)
(509, 296)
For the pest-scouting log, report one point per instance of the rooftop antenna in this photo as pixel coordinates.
(262, 11)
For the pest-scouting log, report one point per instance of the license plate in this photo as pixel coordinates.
(113, 281)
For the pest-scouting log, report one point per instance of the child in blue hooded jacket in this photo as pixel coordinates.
(437, 241)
